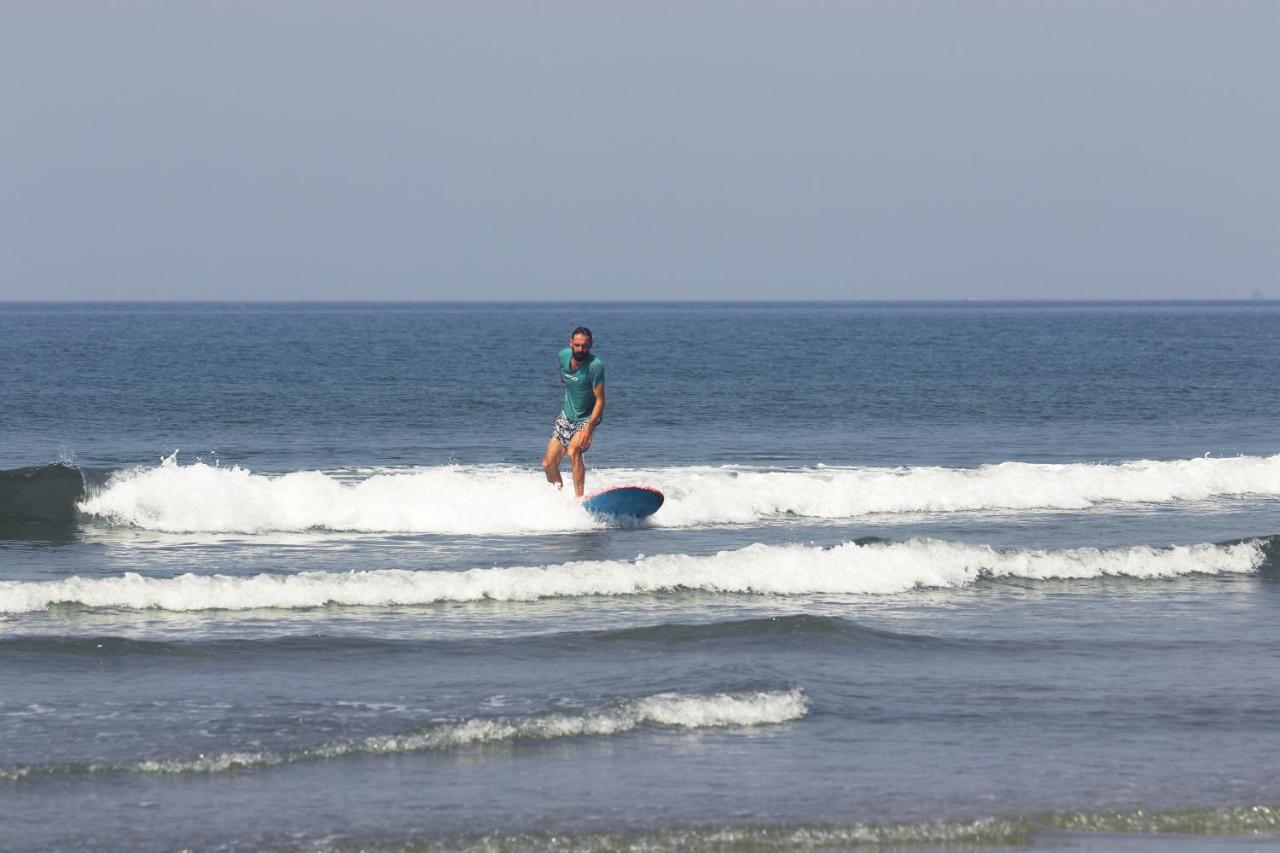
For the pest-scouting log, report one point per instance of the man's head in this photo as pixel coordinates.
(580, 343)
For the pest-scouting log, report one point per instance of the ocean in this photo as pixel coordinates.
(928, 576)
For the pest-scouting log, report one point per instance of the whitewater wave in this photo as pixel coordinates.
(871, 568)
(665, 710)
(201, 498)
(506, 500)
(1057, 830)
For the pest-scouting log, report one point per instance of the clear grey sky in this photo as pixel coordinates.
(641, 150)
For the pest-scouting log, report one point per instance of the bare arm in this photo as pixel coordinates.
(597, 414)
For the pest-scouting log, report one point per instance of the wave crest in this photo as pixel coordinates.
(669, 710)
(1259, 820)
(505, 500)
(874, 568)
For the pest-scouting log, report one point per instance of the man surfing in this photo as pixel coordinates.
(582, 375)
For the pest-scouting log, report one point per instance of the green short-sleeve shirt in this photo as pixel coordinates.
(580, 385)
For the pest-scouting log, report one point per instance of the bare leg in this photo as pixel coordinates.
(579, 466)
(551, 461)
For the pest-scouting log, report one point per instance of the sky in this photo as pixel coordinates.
(473, 150)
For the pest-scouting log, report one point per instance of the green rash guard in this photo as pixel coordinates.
(580, 385)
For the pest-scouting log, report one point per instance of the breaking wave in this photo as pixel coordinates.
(870, 568)
(39, 502)
(506, 500)
(664, 710)
(1260, 822)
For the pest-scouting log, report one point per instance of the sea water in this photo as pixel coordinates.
(290, 577)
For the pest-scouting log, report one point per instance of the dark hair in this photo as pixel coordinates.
(582, 330)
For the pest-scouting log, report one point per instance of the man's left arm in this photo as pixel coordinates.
(597, 414)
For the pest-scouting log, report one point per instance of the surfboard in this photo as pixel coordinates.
(623, 502)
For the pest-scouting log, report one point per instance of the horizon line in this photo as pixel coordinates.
(814, 301)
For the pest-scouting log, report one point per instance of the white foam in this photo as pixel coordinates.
(200, 498)
(673, 710)
(217, 763)
(665, 709)
(728, 495)
(851, 568)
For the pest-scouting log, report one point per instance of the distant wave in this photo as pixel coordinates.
(1061, 829)
(766, 631)
(505, 500)
(182, 651)
(874, 568)
(669, 710)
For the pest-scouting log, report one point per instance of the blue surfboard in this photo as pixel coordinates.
(623, 502)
